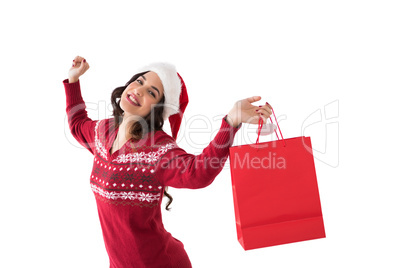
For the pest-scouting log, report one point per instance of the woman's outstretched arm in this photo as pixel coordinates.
(179, 169)
(81, 126)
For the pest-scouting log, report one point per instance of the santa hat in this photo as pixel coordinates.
(175, 91)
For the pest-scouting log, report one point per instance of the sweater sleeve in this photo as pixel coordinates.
(179, 169)
(81, 126)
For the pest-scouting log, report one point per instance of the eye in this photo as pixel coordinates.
(139, 81)
(153, 94)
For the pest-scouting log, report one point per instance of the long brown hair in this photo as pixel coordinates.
(153, 121)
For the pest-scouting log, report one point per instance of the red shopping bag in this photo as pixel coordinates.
(275, 192)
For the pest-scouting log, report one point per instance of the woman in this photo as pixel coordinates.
(135, 160)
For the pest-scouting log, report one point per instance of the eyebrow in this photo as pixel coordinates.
(143, 77)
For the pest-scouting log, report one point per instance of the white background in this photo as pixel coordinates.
(298, 55)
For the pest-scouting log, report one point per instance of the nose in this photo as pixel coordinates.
(139, 91)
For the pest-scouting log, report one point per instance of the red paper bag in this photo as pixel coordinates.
(275, 192)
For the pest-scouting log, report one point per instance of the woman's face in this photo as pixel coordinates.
(138, 98)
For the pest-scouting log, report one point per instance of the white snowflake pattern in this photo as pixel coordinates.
(98, 144)
(152, 157)
(145, 197)
(143, 157)
(126, 195)
(114, 195)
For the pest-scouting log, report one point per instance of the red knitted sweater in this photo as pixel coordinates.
(129, 184)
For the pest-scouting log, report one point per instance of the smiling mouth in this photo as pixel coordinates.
(132, 100)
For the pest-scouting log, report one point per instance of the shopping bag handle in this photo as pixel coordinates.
(261, 123)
